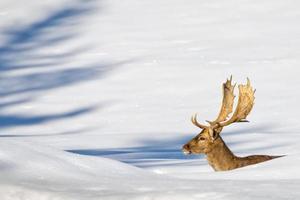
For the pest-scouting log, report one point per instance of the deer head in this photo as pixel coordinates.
(207, 139)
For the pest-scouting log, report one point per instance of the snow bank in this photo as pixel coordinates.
(96, 97)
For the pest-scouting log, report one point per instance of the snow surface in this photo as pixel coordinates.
(96, 97)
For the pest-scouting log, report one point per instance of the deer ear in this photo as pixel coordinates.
(213, 134)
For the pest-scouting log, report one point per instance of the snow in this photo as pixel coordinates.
(96, 97)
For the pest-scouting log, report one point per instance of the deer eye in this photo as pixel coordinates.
(202, 138)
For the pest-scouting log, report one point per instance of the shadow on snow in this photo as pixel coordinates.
(155, 153)
(42, 48)
(151, 153)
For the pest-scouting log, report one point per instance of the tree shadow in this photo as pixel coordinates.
(25, 44)
(25, 120)
(71, 132)
(149, 154)
(31, 51)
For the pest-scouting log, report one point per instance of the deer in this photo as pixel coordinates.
(209, 140)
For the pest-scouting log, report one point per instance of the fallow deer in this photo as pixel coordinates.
(209, 141)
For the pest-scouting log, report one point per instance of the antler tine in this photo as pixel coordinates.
(196, 123)
(244, 106)
(230, 78)
(227, 102)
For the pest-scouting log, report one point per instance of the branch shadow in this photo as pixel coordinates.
(30, 50)
(151, 153)
(71, 132)
(25, 120)
(26, 42)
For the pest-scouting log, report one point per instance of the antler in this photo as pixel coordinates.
(196, 123)
(227, 103)
(244, 106)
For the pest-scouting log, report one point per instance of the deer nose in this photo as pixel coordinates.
(186, 146)
(186, 149)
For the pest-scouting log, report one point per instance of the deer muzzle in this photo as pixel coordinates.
(186, 149)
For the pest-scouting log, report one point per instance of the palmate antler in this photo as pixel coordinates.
(227, 103)
(244, 106)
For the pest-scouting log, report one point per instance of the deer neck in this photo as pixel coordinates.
(220, 157)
